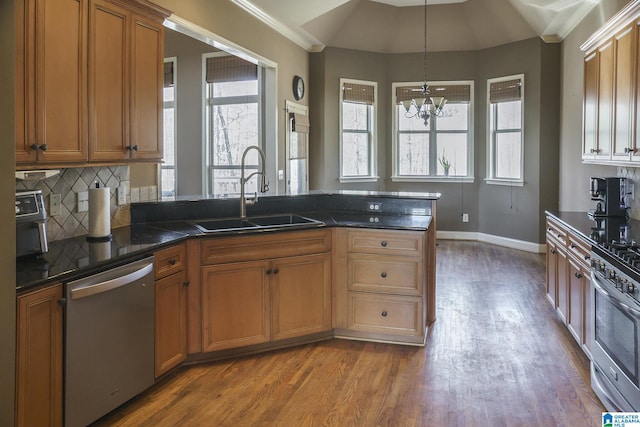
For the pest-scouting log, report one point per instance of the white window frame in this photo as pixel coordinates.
(373, 152)
(491, 141)
(174, 106)
(259, 98)
(470, 177)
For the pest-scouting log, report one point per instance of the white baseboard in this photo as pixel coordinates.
(495, 240)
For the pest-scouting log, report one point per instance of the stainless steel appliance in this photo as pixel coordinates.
(31, 224)
(109, 348)
(615, 323)
(610, 195)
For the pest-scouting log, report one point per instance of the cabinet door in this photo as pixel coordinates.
(235, 305)
(624, 94)
(301, 296)
(562, 264)
(578, 287)
(108, 81)
(146, 89)
(590, 107)
(54, 125)
(39, 358)
(605, 100)
(171, 322)
(552, 272)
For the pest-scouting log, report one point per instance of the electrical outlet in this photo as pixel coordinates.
(83, 201)
(374, 206)
(54, 204)
(280, 175)
(122, 195)
(632, 191)
(465, 217)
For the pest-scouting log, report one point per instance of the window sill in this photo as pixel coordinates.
(447, 179)
(507, 182)
(345, 180)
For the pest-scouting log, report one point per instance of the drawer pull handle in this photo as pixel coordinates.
(587, 257)
(383, 243)
(572, 246)
(383, 275)
(384, 314)
(172, 261)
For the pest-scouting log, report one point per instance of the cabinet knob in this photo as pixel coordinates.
(578, 275)
(553, 251)
(384, 314)
(594, 150)
(383, 243)
(34, 146)
(276, 271)
(384, 274)
(268, 272)
(62, 301)
(172, 261)
(132, 148)
(185, 283)
(43, 147)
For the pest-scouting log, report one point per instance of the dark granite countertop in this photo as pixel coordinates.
(601, 230)
(71, 258)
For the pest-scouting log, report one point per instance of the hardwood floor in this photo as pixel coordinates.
(497, 355)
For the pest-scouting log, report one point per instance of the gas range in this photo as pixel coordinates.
(618, 263)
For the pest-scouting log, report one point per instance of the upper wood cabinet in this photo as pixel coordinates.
(51, 80)
(88, 82)
(611, 89)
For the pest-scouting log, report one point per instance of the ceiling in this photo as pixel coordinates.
(397, 26)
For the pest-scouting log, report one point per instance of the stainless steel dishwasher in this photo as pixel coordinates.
(109, 347)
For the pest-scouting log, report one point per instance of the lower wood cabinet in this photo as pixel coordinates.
(249, 298)
(171, 308)
(39, 358)
(568, 285)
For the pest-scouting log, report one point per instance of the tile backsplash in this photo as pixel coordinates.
(68, 184)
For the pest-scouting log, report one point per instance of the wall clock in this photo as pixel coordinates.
(298, 88)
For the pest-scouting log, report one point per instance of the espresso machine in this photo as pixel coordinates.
(611, 197)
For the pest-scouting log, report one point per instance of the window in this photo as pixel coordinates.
(419, 149)
(357, 135)
(233, 122)
(168, 183)
(506, 142)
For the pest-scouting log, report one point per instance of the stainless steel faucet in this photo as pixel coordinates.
(264, 184)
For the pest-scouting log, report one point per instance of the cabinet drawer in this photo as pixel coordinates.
(580, 249)
(385, 314)
(386, 242)
(170, 260)
(263, 246)
(388, 274)
(556, 232)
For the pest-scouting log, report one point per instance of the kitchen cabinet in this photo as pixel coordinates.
(611, 73)
(125, 84)
(88, 82)
(262, 288)
(39, 358)
(170, 308)
(381, 285)
(568, 286)
(51, 79)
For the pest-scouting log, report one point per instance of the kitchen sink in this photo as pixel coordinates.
(255, 223)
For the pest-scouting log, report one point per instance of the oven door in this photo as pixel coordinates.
(614, 349)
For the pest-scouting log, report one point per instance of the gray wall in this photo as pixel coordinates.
(512, 212)
(7, 216)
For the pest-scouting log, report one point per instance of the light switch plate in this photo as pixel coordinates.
(54, 204)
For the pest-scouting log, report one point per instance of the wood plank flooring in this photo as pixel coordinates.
(497, 355)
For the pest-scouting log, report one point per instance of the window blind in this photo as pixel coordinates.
(300, 123)
(452, 93)
(230, 69)
(168, 74)
(358, 93)
(505, 91)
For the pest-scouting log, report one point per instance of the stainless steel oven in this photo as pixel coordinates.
(615, 362)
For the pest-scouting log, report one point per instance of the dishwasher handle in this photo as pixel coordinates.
(107, 285)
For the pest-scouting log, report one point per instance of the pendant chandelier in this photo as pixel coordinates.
(426, 105)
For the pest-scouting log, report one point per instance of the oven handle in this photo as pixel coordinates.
(620, 304)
